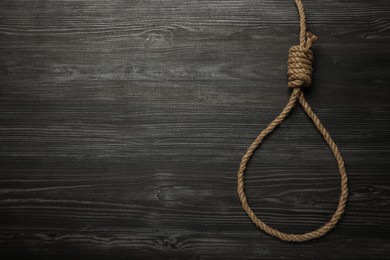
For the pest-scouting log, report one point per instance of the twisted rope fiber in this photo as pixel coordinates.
(300, 61)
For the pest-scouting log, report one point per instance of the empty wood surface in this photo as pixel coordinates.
(122, 125)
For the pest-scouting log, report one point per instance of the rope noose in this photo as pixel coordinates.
(300, 61)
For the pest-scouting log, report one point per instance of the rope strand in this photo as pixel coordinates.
(299, 75)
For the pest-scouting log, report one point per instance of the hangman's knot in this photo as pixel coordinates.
(300, 62)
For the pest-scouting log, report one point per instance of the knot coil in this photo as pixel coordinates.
(300, 63)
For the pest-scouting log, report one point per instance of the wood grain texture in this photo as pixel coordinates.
(122, 124)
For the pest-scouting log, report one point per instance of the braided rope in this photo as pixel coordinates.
(299, 75)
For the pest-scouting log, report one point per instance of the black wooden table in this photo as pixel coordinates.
(122, 125)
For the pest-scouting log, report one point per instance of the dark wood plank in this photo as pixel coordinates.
(122, 124)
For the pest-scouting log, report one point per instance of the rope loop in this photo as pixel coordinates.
(300, 62)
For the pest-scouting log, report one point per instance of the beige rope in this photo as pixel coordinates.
(300, 61)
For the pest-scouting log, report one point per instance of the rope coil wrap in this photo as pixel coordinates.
(300, 60)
